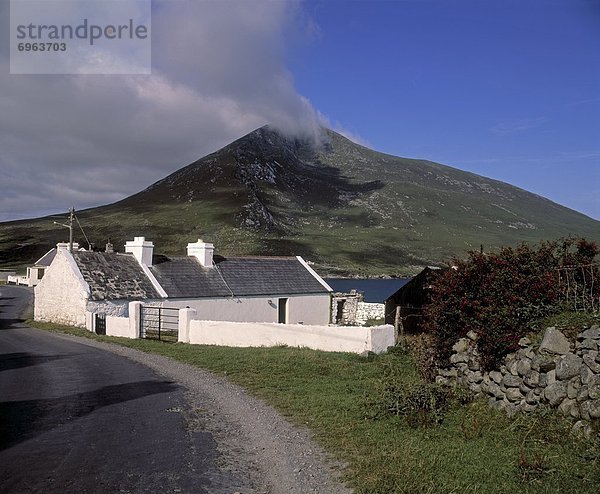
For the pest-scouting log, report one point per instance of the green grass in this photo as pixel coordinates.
(375, 321)
(570, 319)
(569, 322)
(337, 395)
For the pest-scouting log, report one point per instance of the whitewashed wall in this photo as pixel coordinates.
(119, 326)
(126, 327)
(306, 309)
(61, 295)
(329, 338)
(241, 334)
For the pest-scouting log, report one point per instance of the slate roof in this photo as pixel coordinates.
(185, 277)
(114, 276)
(46, 259)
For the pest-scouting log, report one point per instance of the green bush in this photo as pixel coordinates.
(500, 295)
(421, 403)
(421, 347)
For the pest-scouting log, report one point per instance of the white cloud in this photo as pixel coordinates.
(84, 140)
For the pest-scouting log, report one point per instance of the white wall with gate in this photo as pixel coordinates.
(192, 330)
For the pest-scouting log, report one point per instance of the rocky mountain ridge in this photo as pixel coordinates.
(347, 208)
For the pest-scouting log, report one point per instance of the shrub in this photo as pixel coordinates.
(421, 348)
(500, 295)
(421, 403)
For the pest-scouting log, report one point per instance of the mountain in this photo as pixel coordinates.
(347, 208)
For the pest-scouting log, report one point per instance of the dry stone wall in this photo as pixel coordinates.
(557, 373)
(368, 310)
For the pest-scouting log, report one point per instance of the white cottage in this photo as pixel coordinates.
(241, 289)
(36, 272)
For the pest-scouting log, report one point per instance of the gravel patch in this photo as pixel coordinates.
(255, 443)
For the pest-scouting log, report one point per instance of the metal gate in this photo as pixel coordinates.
(100, 323)
(159, 323)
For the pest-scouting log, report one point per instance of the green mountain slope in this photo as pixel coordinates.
(347, 208)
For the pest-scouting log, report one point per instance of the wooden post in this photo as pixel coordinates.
(397, 324)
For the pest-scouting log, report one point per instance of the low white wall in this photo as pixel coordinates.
(17, 280)
(382, 337)
(329, 338)
(121, 326)
(118, 326)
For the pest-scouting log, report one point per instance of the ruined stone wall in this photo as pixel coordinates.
(557, 373)
(350, 301)
(367, 310)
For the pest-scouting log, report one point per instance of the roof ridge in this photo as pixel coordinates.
(260, 257)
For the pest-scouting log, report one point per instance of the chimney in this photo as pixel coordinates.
(141, 249)
(202, 251)
(65, 246)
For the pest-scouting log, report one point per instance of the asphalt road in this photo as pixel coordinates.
(74, 418)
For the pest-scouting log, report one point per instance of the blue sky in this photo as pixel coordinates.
(507, 89)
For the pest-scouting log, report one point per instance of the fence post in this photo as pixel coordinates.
(185, 316)
(397, 325)
(135, 313)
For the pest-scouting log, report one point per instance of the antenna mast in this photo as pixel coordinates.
(69, 226)
(71, 215)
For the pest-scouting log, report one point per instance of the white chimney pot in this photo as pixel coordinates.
(202, 251)
(141, 249)
(65, 246)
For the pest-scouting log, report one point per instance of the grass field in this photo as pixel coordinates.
(338, 396)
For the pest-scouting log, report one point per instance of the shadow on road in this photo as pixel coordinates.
(19, 360)
(16, 306)
(10, 323)
(23, 420)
